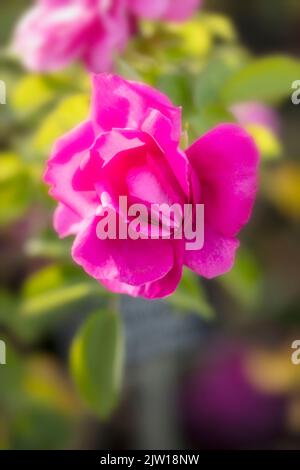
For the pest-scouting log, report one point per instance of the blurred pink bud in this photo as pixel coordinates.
(55, 32)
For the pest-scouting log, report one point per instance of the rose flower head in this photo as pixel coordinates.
(129, 149)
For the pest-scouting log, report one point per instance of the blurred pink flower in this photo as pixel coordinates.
(174, 10)
(254, 112)
(53, 33)
(130, 147)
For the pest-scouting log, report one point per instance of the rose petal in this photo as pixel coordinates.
(157, 289)
(215, 258)
(66, 157)
(133, 262)
(176, 10)
(66, 222)
(121, 103)
(225, 161)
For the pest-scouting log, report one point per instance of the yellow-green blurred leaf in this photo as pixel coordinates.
(219, 26)
(31, 93)
(70, 112)
(15, 188)
(195, 38)
(267, 142)
(55, 287)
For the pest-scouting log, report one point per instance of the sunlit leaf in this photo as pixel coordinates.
(69, 113)
(267, 142)
(195, 38)
(219, 26)
(15, 188)
(31, 93)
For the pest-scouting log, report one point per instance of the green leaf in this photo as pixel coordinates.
(53, 288)
(190, 296)
(218, 69)
(268, 79)
(96, 360)
(57, 298)
(31, 93)
(177, 86)
(15, 188)
(70, 112)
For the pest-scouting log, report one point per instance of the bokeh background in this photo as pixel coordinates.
(210, 367)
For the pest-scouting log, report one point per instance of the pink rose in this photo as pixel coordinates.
(130, 147)
(55, 32)
(174, 10)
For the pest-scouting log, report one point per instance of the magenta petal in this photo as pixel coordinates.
(215, 258)
(121, 103)
(181, 10)
(175, 10)
(66, 221)
(106, 148)
(151, 9)
(120, 287)
(167, 285)
(160, 128)
(133, 262)
(225, 160)
(66, 157)
(157, 289)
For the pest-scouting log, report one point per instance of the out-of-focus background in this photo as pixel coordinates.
(209, 368)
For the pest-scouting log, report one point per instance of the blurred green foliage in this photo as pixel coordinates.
(97, 360)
